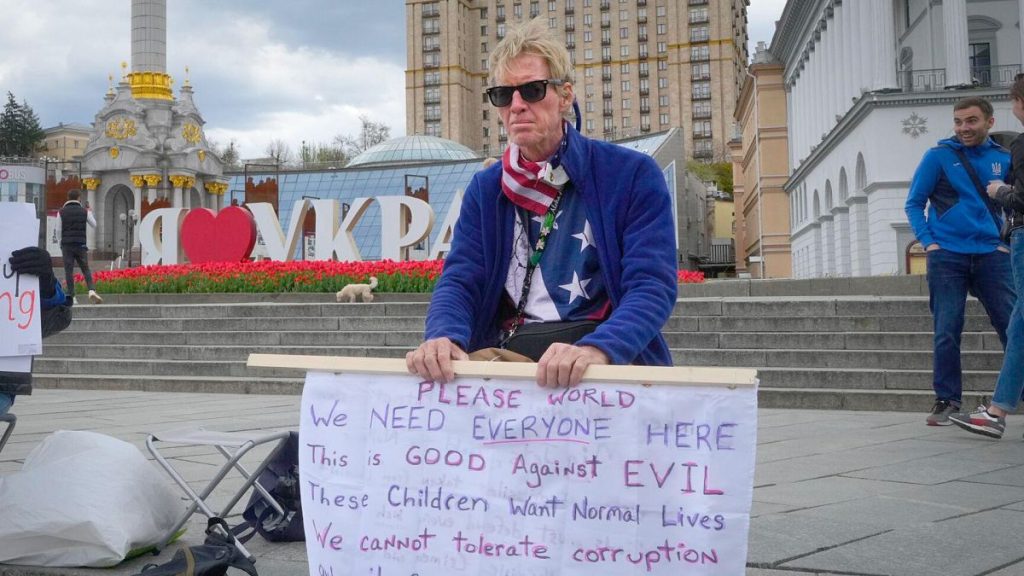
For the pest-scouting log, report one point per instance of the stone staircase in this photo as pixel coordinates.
(858, 352)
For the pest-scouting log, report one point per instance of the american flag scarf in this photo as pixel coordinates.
(523, 184)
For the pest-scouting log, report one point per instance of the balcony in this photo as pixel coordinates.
(606, 58)
(607, 94)
(645, 109)
(994, 76)
(698, 2)
(432, 48)
(431, 99)
(644, 73)
(703, 154)
(606, 23)
(645, 91)
(701, 135)
(569, 10)
(721, 254)
(701, 114)
(431, 12)
(570, 27)
(499, 18)
(641, 19)
(570, 45)
(699, 19)
(431, 65)
(642, 38)
(606, 5)
(641, 3)
(431, 30)
(699, 37)
(608, 113)
(606, 77)
(606, 41)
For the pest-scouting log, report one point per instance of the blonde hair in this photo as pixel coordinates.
(531, 37)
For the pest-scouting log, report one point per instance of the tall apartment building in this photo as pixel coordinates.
(641, 66)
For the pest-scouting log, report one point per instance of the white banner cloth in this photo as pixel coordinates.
(401, 477)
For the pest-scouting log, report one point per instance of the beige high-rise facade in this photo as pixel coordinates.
(641, 66)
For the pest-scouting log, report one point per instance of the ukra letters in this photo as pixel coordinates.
(402, 477)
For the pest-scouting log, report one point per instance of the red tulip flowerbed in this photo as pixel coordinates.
(273, 276)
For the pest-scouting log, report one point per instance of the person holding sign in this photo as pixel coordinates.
(56, 314)
(565, 250)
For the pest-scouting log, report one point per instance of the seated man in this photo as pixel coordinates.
(56, 315)
(568, 240)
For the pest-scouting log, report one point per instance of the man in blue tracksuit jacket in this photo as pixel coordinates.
(961, 237)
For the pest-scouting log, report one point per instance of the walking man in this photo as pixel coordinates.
(73, 218)
(961, 239)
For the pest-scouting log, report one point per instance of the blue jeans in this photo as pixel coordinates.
(1011, 376)
(951, 276)
(6, 401)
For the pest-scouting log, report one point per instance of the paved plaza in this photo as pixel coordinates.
(850, 493)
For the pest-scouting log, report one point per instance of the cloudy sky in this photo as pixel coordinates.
(261, 69)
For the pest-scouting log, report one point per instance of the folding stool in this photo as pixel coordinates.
(233, 446)
(11, 420)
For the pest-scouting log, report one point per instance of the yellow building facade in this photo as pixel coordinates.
(760, 156)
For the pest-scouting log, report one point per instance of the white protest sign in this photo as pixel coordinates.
(20, 310)
(498, 476)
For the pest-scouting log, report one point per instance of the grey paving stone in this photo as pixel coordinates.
(820, 491)
(966, 545)
(777, 538)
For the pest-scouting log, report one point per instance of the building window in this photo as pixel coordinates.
(590, 126)
(627, 104)
(624, 68)
(431, 26)
(433, 129)
(662, 47)
(432, 112)
(590, 106)
(501, 13)
(700, 71)
(662, 29)
(609, 125)
(432, 95)
(660, 11)
(624, 32)
(534, 9)
(663, 100)
(552, 6)
(501, 31)
(663, 82)
(517, 11)
(699, 15)
(606, 53)
(552, 22)
(700, 53)
(483, 31)
(431, 60)
(700, 34)
(588, 54)
(588, 20)
(701, 109)
(624, 51)
(432, 78)
(586, 36)
(702, 129)
(623, 15)
(662, 65)
(663, 119)
(626, 86)
(431, 43)
(483, 13)
(701, 90)
(981, 62)
(627, 121)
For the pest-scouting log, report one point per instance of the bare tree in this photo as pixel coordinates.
(370, 134)
(280, 151)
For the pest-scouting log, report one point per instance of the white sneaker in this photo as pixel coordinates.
(74, 299)
(94, 298)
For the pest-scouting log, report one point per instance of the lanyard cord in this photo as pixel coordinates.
(545, 230)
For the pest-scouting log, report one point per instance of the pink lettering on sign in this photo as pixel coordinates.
(226, 236)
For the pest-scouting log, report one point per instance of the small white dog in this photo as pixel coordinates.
(350, 291)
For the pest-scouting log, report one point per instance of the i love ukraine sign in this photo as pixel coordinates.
(172, 235)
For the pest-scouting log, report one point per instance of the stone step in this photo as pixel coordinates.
(369, 323)
(410, 338)
(147, 368)
(868, 379)
(842, 399)
(116, 352)
(259, 310)
(923, 323)
(836, 359)
(366, 333)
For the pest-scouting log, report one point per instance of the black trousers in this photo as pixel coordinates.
(71, 255)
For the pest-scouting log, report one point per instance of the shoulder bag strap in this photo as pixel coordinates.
(978, 186)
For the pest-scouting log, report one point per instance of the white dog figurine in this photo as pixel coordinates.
(350, 291)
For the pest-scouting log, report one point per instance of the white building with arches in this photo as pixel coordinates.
(871, 85)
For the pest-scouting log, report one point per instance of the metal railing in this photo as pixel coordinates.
(934, 79)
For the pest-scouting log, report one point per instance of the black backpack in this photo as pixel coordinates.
(212, 558)
(281, 480)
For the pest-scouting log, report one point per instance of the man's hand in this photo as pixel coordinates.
(993, 187)
(564, 364)
(932, 247)
(35, 261)
(432, 360)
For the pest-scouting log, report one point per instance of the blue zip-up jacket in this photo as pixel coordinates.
(630, 213)
(959, 220)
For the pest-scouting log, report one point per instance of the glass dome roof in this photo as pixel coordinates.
(412, 149)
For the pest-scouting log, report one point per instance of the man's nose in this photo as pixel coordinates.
(517, 101)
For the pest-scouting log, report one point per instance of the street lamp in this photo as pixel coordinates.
(129, 219)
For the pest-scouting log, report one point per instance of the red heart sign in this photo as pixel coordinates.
(228, 236)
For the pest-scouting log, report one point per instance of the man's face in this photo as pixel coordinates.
(535, 127)
(971, 126)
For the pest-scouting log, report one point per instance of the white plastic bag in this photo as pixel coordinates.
(82, 499)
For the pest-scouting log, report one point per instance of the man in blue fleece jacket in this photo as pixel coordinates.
(563, 230)
(961, 237)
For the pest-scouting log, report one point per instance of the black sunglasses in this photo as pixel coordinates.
(535, 91)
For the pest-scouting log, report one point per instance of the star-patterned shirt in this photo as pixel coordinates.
(568, 284)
